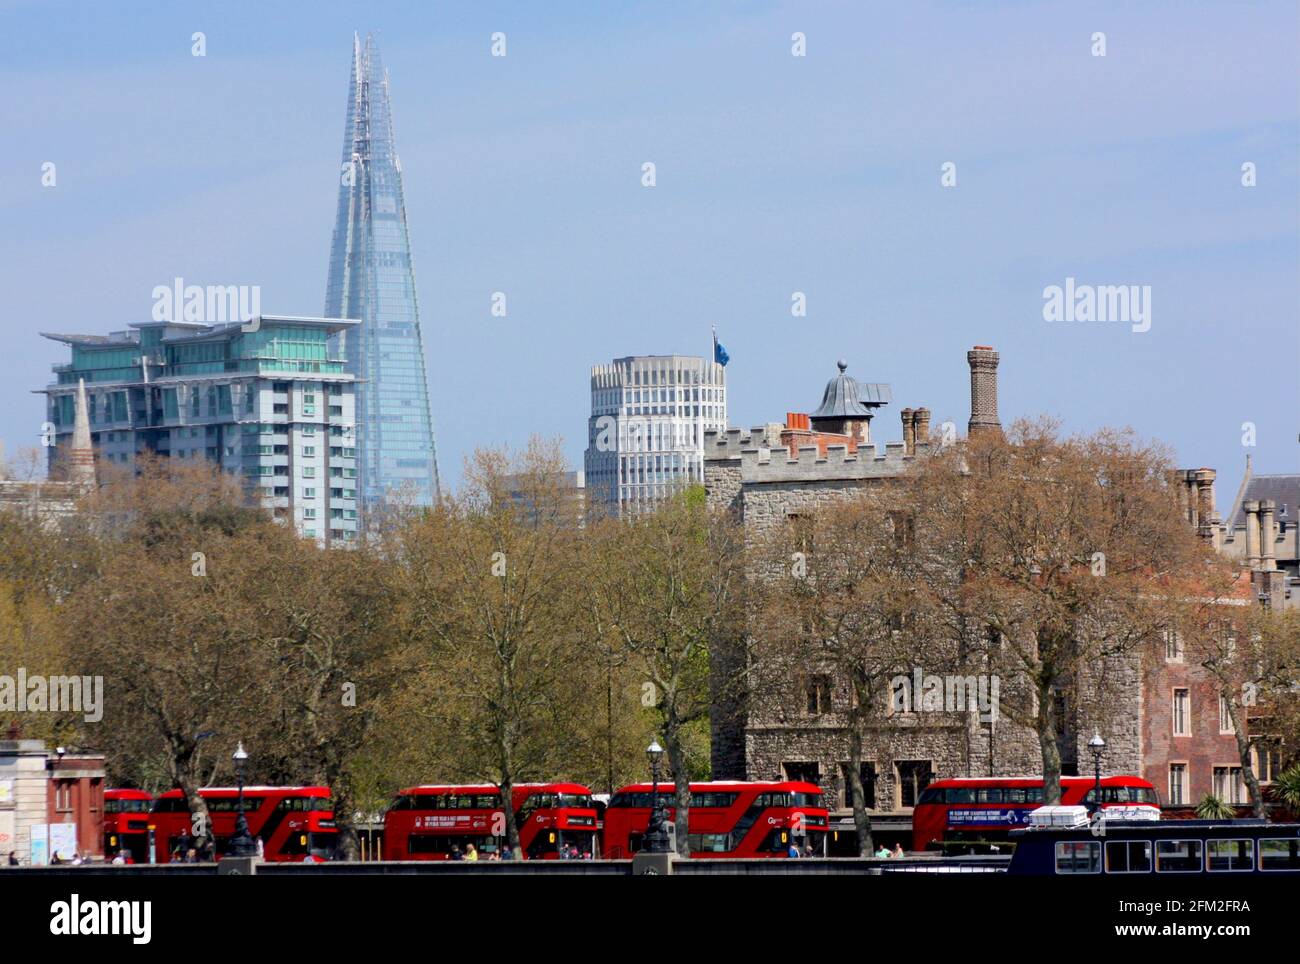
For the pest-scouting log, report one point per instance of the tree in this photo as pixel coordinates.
(666, 586)
(1057, 545)
(490, 579)
(857, 589)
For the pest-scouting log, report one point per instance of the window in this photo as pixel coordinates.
(1225, 717)
(1177, 784)
(1179, 856)
(1128, 856)
(1078, 857)
(1231, 855)
(817, 694)
(708, 842)
(1228, 785)
(1182, 713)
(309, 472)
(309, 451)
(1279, 854)
(309, 513)
(868, 776)
(1173, 646)
(803, 772)
(309, 493)
(913, 777)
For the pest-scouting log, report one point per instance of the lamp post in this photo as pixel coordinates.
(1098, 748)
(656, 834)
(242, 843)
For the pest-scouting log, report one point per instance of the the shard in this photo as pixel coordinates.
(372, 279)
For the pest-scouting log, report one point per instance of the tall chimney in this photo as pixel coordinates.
(909, 431)
(1205, 503)
(1267, 552)
(921, 420)
(81, 456)
(1251, 509)
(983, 390)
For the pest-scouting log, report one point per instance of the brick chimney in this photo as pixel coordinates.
(983, 362)
(1267, 537)
(1251, 509)
(921, 420)
(1205, 503)
(909, 431)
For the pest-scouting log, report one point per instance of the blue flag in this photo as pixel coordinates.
(719, 353)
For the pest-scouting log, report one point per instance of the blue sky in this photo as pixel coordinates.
(775, 173)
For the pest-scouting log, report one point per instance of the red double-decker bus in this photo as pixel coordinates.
(431, 822)
(293, 823)
(126, 824)
(727, 819)
(961, 810)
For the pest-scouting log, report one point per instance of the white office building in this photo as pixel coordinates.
(645, 437)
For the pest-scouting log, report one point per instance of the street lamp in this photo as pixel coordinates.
(1098, 748)
(656, 834)
(242, 843)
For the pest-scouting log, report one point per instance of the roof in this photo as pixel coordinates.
(845, 398)
(1282, 489)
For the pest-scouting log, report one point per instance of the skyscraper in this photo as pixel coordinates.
(645, 437)
(372, 279)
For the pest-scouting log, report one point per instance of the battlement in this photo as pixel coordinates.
(762, 458)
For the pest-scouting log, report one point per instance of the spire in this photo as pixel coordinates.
(81, 457)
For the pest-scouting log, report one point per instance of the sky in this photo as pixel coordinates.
(774, 174)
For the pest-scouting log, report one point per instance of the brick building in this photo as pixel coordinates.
(38, 788)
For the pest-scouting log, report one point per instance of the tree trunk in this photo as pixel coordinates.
(348, 845)
(1046, 726)
(1243, 751)
(861, 821)
(681, 784)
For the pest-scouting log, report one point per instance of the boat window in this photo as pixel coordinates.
(1179, 856)
(1128, 856)
(1279, 854)
(1078, 857)
(1230, 855)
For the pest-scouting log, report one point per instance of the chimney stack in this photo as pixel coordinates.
(909, 431)
(983, 390)
(921, 421)
(1205, 503)
(1267, 552)
(1251, 509)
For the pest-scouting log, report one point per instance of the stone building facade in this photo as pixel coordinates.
(795, 728)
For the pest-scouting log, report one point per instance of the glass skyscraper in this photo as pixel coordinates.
(372, 279)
